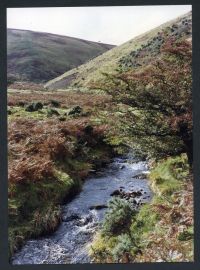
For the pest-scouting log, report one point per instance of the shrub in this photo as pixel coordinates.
(51, 112)
(55, 103)
(33, 107)
(126, 249)
(75, 110)
(118, 218)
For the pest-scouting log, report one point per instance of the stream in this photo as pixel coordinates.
(82, 217)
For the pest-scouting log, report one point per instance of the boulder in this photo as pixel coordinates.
(98, 207)
(115, 193)
(70, 218)
(140, 176)
(136, 193)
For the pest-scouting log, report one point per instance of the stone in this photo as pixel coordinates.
(115, 193)
(140, 176)
(136, 193)
(70, 218)
(98, 207)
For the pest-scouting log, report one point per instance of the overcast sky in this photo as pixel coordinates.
(114, 25)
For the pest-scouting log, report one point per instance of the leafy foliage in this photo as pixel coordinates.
(161, 94)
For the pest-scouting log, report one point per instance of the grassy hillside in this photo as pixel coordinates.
(39, 57)
(135, 53)
(57, 138)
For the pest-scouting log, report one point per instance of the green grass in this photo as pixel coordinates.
(34, 209)
(167, 175)
(44, 113)
(91, 73)
(20, 112)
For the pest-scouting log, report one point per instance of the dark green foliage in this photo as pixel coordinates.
(29, 108)
(55, 103)
(33, 107)
(21, 104)
(161, 102)
(88, 129)
(51, 112)
(125, 249)
(143, 54)
(75, 110)
(186, 235)
(62, 118)
(118, 218)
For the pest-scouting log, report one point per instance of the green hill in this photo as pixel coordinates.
(39, 57)
(135, 53)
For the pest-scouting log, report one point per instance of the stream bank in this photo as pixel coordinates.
(162, 231)
(82, 217)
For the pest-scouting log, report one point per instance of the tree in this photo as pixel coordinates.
(162, 93)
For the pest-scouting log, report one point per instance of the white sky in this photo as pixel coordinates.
(113, 25)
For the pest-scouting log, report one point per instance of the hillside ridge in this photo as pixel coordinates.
(39, 56)
(111, 61)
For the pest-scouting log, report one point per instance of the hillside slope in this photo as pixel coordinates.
(39, 57)
(135, 53)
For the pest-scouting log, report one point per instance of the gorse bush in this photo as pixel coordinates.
(126, 249)
(118, 218)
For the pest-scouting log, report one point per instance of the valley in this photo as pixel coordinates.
(95, 150)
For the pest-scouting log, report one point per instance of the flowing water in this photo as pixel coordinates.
(82, 217)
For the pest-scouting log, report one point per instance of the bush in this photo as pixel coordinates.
(33, 107)
(55, 103)
(118, 218)
(75, 110)
(51, 112)
(125, 249)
